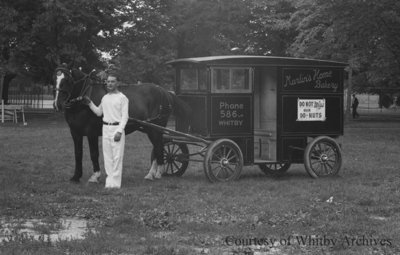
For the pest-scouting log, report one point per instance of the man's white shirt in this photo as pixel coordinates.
(115, 108)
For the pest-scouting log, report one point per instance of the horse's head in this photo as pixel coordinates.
(71, 85)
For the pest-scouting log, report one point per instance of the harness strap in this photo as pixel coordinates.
(165, 108)
(86, 87)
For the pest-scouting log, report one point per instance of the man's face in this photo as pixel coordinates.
(112, 83)
(59, 73)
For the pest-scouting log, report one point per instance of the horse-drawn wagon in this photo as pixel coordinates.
(257, 110)
(245, 110)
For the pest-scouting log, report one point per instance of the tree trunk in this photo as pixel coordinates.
(7, 78)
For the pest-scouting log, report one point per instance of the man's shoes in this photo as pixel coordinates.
(112, 188)
(95, 177)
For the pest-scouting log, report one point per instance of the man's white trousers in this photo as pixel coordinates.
(113, 153)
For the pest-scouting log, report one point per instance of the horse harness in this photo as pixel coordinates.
(85, 88)
(165, 107)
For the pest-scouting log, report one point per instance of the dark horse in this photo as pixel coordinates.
(147, 102)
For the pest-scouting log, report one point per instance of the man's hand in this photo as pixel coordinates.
(85, 100)
(117, 137)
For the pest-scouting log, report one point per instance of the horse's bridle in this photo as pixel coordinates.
(86, 85)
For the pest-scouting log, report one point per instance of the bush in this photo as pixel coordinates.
(386, 101)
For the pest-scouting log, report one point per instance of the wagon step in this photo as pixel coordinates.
(262, 161)
(296, 148)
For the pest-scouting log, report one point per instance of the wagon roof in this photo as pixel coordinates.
(255, 61)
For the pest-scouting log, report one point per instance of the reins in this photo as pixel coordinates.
(86, 86)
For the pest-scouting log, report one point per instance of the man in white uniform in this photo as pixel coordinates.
(114, 108)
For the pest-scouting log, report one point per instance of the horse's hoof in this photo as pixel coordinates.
(157, 176)
(94, 178)
(149, 177)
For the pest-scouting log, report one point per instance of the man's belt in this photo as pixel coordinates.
(111, 123)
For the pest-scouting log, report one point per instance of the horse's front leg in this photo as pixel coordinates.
(153, 170)
(157, 163)
(78, 142)
(94, 156)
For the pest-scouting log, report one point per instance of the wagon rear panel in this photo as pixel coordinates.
(310, 104)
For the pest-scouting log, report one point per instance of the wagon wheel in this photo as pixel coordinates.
(276, 168)
(223, 161)
(176, 158)
(322, 157)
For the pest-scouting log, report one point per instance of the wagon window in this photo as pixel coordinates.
(221, 79)
(193, 79)
(188, 79)
(202, 79)
(231, 80)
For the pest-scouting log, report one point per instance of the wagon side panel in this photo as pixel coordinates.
(197, 122)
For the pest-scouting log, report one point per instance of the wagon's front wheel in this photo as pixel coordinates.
(176, 158)
(277, 168)
(223, 161)
(322, 157)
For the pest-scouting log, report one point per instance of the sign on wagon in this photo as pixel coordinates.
(311, 109)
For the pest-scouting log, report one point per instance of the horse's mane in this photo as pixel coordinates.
(77, 75)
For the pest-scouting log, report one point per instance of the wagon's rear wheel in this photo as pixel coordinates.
(176, 158)
(322, 157)
(223, 161)
(277, 168)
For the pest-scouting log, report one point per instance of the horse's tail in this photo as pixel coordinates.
(180, 108)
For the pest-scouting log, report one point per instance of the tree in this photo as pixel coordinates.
(8, 44)
(143, 45)
(362, 33)
(36, 36)
(271, 30)
(208, 27)
(159, 31)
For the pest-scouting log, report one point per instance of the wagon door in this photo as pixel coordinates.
(265, 111)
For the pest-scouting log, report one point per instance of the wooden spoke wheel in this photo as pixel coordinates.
(223, 161)
(176, 158)
(322, 157)
(276, 168)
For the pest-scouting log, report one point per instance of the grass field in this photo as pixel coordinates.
(357, 212)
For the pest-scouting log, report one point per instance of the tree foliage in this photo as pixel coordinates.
(208, 27)
(36, 36)
(271, 30)
(362, 33)
(143, 45)
(141, 35)
(163, 30)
